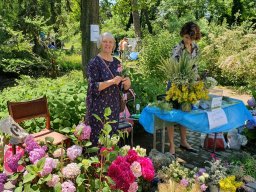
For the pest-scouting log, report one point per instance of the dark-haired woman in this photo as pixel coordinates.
(190, 32)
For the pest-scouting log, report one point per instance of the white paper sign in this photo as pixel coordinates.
(216, 118)
(95, 32)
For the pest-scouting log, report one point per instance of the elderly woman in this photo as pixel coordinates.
(104, 84)
(190, 32)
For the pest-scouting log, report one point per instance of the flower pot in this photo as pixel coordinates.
(186, 107)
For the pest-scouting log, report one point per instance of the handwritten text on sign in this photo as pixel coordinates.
(216, 118)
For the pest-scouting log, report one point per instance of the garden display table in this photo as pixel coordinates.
(195, 120)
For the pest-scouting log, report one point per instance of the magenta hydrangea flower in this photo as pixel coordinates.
(119, 171)
(83, 131)
(71, 171)
(12, 162)
(1, 187)
(68, 186)
(30, 143)
(147, 168)
(74, 151)
(36, 154)
(3, 177)
(54, 180)
(184, 182)
(132, 156)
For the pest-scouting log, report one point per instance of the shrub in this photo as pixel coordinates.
(66, 96)
(155, 48)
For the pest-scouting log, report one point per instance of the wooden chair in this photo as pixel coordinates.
(21, 111)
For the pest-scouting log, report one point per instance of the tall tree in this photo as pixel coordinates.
(136, 18)
(89, 15)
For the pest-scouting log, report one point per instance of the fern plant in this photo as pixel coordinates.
(179, 72)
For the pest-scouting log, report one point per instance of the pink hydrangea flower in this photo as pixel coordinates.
(203, 187)
(133, 187)
(54, 180)
(74, 151)
(83, 131)
(36, 154)
(58, 152)
(184, 182)
(68, 186)
(49, 165)
(136, 169)
(71, 171)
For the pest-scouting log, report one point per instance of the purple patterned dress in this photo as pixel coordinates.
(96, 100)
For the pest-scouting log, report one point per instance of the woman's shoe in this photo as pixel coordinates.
(188, 149)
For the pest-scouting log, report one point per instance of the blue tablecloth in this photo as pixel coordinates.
(197, 120)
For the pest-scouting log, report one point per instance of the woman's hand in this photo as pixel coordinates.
(126, 83)
(116, 80)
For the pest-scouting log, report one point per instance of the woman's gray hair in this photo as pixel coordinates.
(106, 34)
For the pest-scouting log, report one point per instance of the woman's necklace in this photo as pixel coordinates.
(108, 58)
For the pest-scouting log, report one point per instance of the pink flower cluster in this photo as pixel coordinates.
(49, 165)
(35, 151)
(12, 161)
(74, 151)
(71, 171)
(54, 180)
(83, 131)
(68, 186)
(124, 171)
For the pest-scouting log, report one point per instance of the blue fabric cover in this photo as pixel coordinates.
(134, 55)
(197, 120)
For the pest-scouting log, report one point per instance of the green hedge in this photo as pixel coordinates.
(66, 99)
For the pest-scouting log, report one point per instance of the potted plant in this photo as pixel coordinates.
(185, 90)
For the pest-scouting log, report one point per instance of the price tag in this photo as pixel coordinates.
(216, 118)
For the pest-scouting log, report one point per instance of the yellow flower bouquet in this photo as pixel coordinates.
(229, 184)
(187, 93)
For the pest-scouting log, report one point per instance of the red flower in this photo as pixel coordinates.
(132, 156)
(147, 168)
(121, 173)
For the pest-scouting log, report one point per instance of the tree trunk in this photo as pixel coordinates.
(136, 18)
(89, 15)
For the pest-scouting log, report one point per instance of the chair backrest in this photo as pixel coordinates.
(26, 110)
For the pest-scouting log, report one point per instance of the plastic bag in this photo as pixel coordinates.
(235, 140)
(220, 142)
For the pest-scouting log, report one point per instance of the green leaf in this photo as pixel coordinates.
(40, 164)
(32, 169)
(66, 130)
(107, 112)
(57, 187)
(18, 189)
(97, 117)
(28, 177)
(49, 139)
(80, 179)
(107, 128)
(88, 143)
(92, 150)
